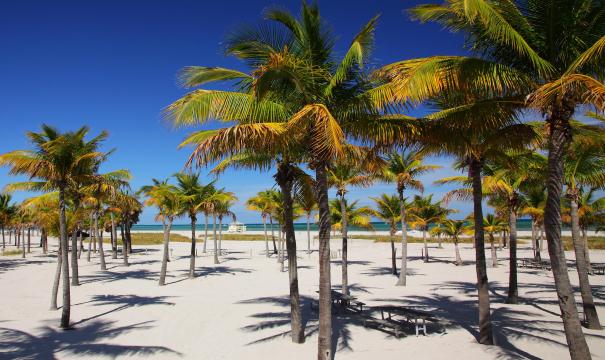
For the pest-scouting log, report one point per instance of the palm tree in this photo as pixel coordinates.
(515, 42)
(263, 203)
(169, 202)
(534, 203)
(6, 212)
(404, 168)
(222, 208)
(306, 201)
(57, 162)
(342, 175)
(188, 184)
(423, 213)
(454, 229)
(388, 209)
(359, 216)
(492, 224)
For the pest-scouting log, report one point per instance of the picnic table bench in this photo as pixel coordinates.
(534, 264)
(598, 269)
(346, 301)
(418, 318)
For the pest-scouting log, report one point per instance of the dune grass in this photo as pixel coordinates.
(12, 252)
(149, 239)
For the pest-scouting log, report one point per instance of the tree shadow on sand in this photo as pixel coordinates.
(88, 340)
(123, 302)
(11, 264)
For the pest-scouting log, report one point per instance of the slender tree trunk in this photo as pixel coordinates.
(266, 236)
(114, 238)
(128, 235)
(493, 250)
(214, 232)
(124, 245)
(325, 288)
(309, 233)
(272, 235)
(538, 242)
(457, 249)
(80, 243)
(344, 231)
(513, 288)
(57, 280)
(586, 250)
(485, 324)
(590, 311)
(404, 243)
(501, 244)
(284, 179)
(192, 254)
(280, 246)
(167, 226)
(559, 138)
(22, 243)
(66, 308)
(44, 241)
(100, 239)
(393, 256)
(220, 235)
(439, 241)
(426, 247)
(29, 241)
(75, 280)
(205, 232)
(533, 237)
(3, 239)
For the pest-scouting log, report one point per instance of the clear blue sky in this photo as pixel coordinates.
(111, 65)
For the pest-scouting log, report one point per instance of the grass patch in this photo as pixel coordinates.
(411, 239)
(594, 242)
(12, 252)
(149, 239)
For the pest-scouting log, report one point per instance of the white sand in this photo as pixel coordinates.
(239, 308)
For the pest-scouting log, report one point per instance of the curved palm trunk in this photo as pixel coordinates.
(493, 250)
(426, 247)
(100, 239)
(590, 311)
(513, 288)
(128, 235)
(324, 346)
(192, 253)
(214, 238)
(114, 238)
(457, 249)
(285, 182)
(404, 244)
(65, 310)
(75, 281)
(344, 231)
(205, 232)
(55, 290)
(586, 250)
(558, 141)
(266, 236)
(167, 226)
(485, 324)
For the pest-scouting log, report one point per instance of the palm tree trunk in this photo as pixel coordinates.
(55, 290)
(513, 288)
(538, 256)
(309, 233)
(284, 180)
(66, 308)
(220, 235)
(493, 250)
(272, 234)
(485, 324)
(266, 236)
(100, 239)
(114, 238)
(93, 237)
(280, 256)
(558, 140)
(501, 242)
(324, 346)
(124, 245)
(344, 221)
(426, 247)
(75, 280)
(167, 226)
(533, 237)
(457, 249)
(586, 250)
(404, 243)
(205, 232)
(128, 235)
(23, 244)
(192, 254)
(393, 256)
(3, 239)
(45, 241)
(214, 232)
(590, 312)
(29, 240)
(80, 243)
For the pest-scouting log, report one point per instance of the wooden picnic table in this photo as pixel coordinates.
(416, 317)
(598, 269)
(346, 301)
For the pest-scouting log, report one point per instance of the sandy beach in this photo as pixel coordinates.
(239, 308)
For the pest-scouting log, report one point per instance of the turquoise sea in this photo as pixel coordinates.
(522, 224)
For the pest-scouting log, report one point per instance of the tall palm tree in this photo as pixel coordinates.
(388, 209)
(423, 213)
(296, 94)
(306, 201)
(6, 212)
(263, 203)
(169, 202)
(343, 174)
(492, 225)
(534, 203)
(454, 229)
(404, 168)
(197, 194)
(222, 208)
(515, 42)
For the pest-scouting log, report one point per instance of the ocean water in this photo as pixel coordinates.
(522, 224)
